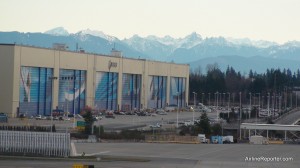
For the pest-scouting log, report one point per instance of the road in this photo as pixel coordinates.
(289, 118)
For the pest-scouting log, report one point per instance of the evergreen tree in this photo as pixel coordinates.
(204, 124)
(88, 118)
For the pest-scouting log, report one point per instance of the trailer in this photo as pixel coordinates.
(258, 140)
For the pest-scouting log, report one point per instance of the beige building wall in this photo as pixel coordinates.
(15, 56)
(6, 78)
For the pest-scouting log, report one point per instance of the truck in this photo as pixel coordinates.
(202, 138)
(227, 139)
(157, 125)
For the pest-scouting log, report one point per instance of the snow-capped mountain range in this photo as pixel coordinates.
(192, 49)
(58, 31)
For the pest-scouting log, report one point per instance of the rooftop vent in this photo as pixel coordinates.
(59, 46)
(116, 53)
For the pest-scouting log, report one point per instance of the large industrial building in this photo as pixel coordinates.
(34, 81)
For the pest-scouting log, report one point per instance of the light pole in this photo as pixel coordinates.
(258, 110)
(217, 107)
(228, 104)
(202, 98)
(240, 114)
(273, 105)
(262, 102)
(71, 78)
(215, 100)
(208, 99)
(52, 92)
(280, 103)
(296, 99)
(291, 99)
(224, 99)
(177, 107)
(250, 106)
(74, 97)
(194, 106)
(268, 104)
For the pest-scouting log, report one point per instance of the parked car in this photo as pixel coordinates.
(142, 114)
(22, 116)
(55, 118)
(129, 113)
(157, 125)
(39, 117)
(96, 118)
(162, 113)
(110, 116)
(153, 114)
(171, 107)
(66, 119)
(49, 117)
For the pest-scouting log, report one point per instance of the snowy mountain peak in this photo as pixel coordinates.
(58, 31)
(248, 42)
(292, 43)
(135, 36)
(187, 42)
(190, 40)
(167, 37)
(97, 34)
(194, 36)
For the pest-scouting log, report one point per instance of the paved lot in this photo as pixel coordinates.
(166, 155)
(121, 121)
(175, 155)
(199, 155)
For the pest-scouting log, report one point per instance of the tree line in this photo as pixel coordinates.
(273, 81)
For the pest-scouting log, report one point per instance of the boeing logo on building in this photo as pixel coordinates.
(112, 64)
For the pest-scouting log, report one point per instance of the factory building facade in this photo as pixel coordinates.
(34, 81)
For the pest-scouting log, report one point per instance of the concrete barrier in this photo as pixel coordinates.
(275, 142)
(172, 139)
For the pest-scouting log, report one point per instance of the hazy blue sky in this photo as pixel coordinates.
(274, 20)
